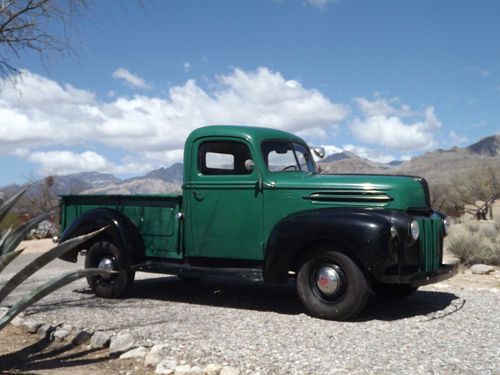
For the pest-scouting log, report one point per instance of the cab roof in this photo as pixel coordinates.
(250, 133)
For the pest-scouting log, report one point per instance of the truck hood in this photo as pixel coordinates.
(390, 191)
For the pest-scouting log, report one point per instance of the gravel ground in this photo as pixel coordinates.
(443, 329)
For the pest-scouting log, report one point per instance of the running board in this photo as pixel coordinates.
(186, 270)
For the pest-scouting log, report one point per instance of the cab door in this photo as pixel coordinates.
(225, 204)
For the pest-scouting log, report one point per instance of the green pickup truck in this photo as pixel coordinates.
(253, 206)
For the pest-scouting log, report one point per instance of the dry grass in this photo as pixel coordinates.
(475, 242)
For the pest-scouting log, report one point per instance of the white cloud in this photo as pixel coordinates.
(65, 162)
(384, 125)
(131, 79)
(381, 106)
(456, 138)
(370, 154)
(187, 67)
(477, 69)
(320, 4)
(43, 113)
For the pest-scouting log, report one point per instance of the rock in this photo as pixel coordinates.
(17, 321)
(99, 340)
(195, 370)
(183, 370)
(31, 326)
(482, 269)
(3, 310)
(166, 366)
(139, 352)
(81, 337)
(59, 334)
(212, 369)
(44, 330)
(121, 343)
(227, 370)
(157, 353)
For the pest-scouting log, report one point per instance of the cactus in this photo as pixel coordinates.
(9, 241)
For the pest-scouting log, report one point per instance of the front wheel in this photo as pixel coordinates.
(106, 255)
(331, 286)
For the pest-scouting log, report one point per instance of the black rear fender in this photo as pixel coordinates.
(363, 235)
(120, 230)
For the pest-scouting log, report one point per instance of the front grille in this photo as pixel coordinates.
(431, 243)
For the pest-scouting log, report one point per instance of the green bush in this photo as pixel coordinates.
(475, 242)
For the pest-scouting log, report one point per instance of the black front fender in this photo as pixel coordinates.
(120, 229)
(365, 235)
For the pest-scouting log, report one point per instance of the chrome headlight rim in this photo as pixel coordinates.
(446, 225)
(414, 230)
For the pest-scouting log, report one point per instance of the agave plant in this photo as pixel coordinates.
(10, 240)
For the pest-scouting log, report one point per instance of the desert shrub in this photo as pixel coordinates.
(472, 244)
(472, 225)
(497, 224)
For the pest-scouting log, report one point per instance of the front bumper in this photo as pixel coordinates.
(444, 272)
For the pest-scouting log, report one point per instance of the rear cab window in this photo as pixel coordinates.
(223, 158)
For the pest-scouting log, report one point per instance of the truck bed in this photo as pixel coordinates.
(155, 216)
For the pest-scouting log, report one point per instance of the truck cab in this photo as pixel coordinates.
(253, 206)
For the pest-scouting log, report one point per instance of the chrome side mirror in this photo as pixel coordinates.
(319, 152)
(249, 165)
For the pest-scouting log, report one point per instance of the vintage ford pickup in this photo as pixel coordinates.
(253, 206)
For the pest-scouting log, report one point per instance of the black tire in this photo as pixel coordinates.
(392, 291)
(113, 286)
(350, 295)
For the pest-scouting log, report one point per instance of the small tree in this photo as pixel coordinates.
(472, 191)
(39, 26)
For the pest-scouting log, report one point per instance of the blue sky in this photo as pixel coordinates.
(385, 79)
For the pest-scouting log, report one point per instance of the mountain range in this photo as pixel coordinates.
(438, 167)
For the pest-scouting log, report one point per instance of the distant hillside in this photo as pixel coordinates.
(436, 166)
(340, 156)
(138, 186)
(171, 174)
(488, 146)
(160, 181)
(440, 168)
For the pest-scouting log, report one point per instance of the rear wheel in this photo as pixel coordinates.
(330, 285)
(105, 255)
(392, 291)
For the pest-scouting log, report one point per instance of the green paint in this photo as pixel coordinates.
(232, 215)
(153, 215)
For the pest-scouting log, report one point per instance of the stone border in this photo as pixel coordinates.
(121, 345)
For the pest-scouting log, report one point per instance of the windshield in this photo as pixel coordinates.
(287, 156)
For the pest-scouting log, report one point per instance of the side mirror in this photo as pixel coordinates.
(249, 165)
(319, 152)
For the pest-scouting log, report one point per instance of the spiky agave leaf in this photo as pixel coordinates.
(11, 242)
(5, 208)
(47, 288)
(5, 235)
(5, 259)
(42, 260)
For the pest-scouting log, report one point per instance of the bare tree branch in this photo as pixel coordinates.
(32, 25)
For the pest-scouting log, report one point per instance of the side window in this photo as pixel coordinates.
(278, 161)
(223, 158)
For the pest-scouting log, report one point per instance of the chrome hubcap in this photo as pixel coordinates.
(328, 280)
(106, 264)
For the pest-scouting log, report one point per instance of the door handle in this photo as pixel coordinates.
(198, 196)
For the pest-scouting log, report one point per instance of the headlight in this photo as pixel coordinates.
(414, 229)
(394, 231)
(446, 225)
